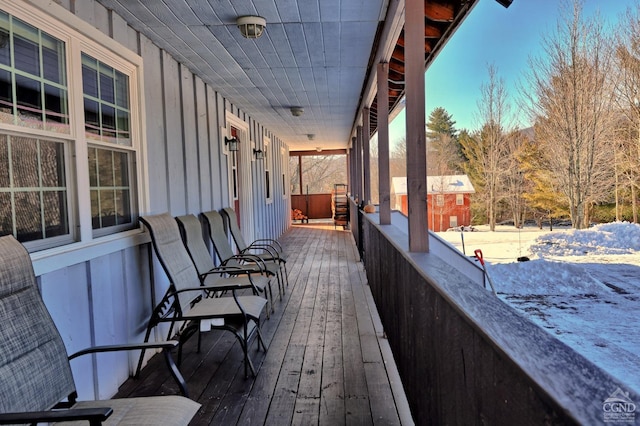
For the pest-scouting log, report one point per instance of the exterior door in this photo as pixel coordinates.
(235, 174)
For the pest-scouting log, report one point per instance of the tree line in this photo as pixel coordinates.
(583, 150)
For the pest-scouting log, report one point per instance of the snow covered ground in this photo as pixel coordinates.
(583, 286)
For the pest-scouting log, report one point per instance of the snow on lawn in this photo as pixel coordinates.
(583, 286)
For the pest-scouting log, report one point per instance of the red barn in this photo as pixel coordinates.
(448, 200)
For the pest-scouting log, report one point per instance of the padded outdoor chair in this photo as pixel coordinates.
(191, 232)
(188, 301)
(265, 248)
(36, 384)
(225, 253)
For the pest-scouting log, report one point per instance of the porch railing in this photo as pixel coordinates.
(464, 356)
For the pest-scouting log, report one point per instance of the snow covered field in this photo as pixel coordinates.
(583, 286)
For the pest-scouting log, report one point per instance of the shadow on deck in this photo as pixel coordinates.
(327, 362)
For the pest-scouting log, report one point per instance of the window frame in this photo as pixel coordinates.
(285, 172)
(80, 37)
(459, 199)
(268, 166)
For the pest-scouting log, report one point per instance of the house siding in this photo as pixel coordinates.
(108, 298)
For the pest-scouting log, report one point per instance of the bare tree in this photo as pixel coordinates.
(319, 173)
(375, 171)
(487, 151)
(398, 160)
(515, 184)
(569, 100)
(627, 97)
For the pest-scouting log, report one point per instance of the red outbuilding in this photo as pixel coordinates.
(448, 200)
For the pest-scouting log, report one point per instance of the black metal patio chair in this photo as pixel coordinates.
(192, 236)
(224, 251)
(266, 249)
(189, 301)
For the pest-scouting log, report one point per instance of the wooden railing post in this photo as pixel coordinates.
(415, 125)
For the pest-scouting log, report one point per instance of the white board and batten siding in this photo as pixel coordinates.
(102, 293)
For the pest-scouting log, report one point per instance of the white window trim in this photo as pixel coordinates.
(284, 160)
(268, 167)
(81, 36)
(243, 129)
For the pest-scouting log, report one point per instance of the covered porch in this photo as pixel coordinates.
(328, 360)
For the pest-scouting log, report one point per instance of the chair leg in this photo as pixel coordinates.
(280, 289)
(146, 339)
(187, 332)
(260, 339)
(286, 273)
(270, 300)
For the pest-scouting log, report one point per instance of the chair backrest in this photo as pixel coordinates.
(218, 236)
(173, 256)
(34, 369)
(232, 223)
(191, 231)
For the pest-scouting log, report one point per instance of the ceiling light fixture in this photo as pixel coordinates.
(296, 111)
(311, 136)
(251, 26)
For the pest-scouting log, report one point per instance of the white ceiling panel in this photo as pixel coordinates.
(313, 54)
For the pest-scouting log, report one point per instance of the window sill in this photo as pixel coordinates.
(61, 257)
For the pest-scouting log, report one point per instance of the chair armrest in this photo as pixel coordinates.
(265, 248)
(268, 241)
(95, 416)
(251, 258)
(231, 270)
(169, 344)
(166, 347)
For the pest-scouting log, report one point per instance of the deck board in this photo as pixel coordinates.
(324, 364)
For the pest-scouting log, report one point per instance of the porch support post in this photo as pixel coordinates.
(354, 182)
(366, 154)
(300, 175)
(384, 191)
(415, 125)
(359, 163)
(349, 168)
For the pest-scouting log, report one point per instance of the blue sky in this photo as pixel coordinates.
(494, 35)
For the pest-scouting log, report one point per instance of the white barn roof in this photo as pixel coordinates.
(453, 184)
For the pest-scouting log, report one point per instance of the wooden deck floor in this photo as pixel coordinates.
(327, 362)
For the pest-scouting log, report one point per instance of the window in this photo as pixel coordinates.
(62, 94)
(106, 119)
(33, 188)
(459, 199)
(283, 159)
(267, 170)
(106, 102)
(110, 188)
(33, 82)
(453, 221)
(439, 200)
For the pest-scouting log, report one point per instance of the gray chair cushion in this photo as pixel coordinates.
(34, 370)
(151, 411)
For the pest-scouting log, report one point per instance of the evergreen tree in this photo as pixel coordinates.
(443, 148)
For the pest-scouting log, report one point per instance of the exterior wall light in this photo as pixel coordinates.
(232, 144)
(251, 26)
(258, 153)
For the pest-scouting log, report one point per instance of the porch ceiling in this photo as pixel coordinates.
(315, 54)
